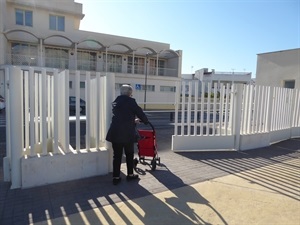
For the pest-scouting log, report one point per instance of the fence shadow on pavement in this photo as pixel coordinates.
(275, 167)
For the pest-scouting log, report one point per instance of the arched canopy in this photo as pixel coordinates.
(168, 53)
(115, 48)
(21, 35)
(56, 40)
(90, 44)
(145, 51)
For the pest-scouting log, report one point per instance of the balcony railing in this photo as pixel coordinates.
(22, 60)
(86, 65)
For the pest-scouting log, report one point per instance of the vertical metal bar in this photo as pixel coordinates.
(55, 111)
(220, 110)
(66, 112)
(250, 109)
(226, 109)
(258, 103)
(189, 110)
(255, 106)
(275, 109)
(49, 105)
(98, 113)
(202, 107)
(36, 108)
(32, 111)
(87, 109)
(232, 105)
(183, 108)
(177, 103)
(208, 110)
(261, 109)
(102, 116)
(43, 118)
(246, 109)
(296, 108)
(196, 107)
(215, 87)
(26, 109)
(289, 116)
(77, 109)
(266, 105)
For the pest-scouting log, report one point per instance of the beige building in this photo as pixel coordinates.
(46, 34)
(280, 69)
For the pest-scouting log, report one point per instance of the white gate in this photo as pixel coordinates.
(41, 153)
(216, 117)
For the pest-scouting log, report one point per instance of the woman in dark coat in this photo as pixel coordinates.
(121, 133)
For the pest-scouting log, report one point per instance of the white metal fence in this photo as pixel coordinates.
(38, 100)
(234, 116)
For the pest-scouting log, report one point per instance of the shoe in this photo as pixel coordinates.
(116, 180)
(132, 177)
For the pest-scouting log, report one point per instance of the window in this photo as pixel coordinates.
(24, 54)
(114, 63)
(289, 84)
(56, 58)
(86, 60)
(57, 23)
(24, 17)
(70, 84)
(161, 67)
(149, 87)
(153, 66)
(139, 65)
(167, 88)
(82, 84)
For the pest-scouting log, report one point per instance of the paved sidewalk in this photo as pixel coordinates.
(260, 186)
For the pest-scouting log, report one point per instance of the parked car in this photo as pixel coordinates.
(2, 103)
(72, 103)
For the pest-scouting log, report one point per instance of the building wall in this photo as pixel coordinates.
(274, 68)
(73, 38)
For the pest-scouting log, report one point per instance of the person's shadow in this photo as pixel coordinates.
(182, 196)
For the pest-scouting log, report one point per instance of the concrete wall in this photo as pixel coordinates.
(275, 67)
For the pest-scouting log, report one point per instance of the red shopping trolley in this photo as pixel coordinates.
(147, 147)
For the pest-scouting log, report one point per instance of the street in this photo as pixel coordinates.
(160, 121)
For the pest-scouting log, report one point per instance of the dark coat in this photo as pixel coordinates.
(122, 128)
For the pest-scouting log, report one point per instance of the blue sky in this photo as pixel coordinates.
(215, 34)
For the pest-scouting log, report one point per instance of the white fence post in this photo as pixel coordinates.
(16, 134)
(7, 159)
(237, 119)
(110, 97)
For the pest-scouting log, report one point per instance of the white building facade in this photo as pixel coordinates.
(279, 69)
(216, 78)
(46, 34)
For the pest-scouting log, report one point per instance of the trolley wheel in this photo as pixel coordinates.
(142, 159)
(135, 162)
(158, 160)
(153, 164)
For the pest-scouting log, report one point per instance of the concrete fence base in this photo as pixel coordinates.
(49, 169)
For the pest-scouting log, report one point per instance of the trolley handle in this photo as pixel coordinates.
(151, 125)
